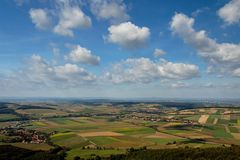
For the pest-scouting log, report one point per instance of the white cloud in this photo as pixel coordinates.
(179, 84)
(41, 72)
(66, 14)
(71, 72)
(71, 17)
(208, 85)
(222, 57)
(128, 35)
(113, 10)
(158, 52)
(143, 70)
(236, 72)
(41, 18)
(199, 11)
(21, 2)
(82, 55)
(230, 13)
(198, 85)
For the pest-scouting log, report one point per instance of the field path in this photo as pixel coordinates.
(203, 119)
(215, 121)
(89, 141)
(227, 129)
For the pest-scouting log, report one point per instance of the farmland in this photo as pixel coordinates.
(87, 130)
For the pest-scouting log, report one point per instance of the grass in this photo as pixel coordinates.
(234, 121)
(223, 121)
(130, 141)
(43, 147)
(193, 118)
(39, 123)
(164, 140)
(3, 137)
(218, 131)
(63, 121)
(103, 140)
(211, 118)
(63, 125)
(39, 113)
(233, 129)
(71, 140)
(92, 153)
(238, 121)
(5, 117)
(135, 131)
(174, 131)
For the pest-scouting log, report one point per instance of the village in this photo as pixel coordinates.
(23, 135)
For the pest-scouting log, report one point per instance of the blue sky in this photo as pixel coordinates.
(121, 49)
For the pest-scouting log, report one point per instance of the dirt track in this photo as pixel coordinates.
(95, 134)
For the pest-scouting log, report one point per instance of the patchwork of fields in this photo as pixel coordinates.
(87, 136)
(115, 137)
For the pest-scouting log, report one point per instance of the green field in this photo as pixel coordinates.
(134, 131)
(101, 141)
(36, 147)
(71, 140)
(194, 117)
(6, 117)
(233, 129)
(238, 121)
(212, 118)
(217, 131)
(164, 141)
(86, 153)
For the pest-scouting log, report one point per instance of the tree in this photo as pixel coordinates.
(76, 158)
(98, 158)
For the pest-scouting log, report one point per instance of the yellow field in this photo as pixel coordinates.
(203, 119)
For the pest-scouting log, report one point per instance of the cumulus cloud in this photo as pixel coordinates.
(71, 17)
(158, 52)
(82, 55)
(222, 57)
(179, 84)
(63, 19)
(41, 18)
(236, 72)
(128, 35)
(144, 70)
(21, 2)
(230, 13)
(199, 85)
(208, 85)
(39, 71)
(113, 10)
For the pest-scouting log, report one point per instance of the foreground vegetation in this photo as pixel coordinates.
(8, 152)
(219, 153)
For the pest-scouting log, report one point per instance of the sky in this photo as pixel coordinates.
(120, 48)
